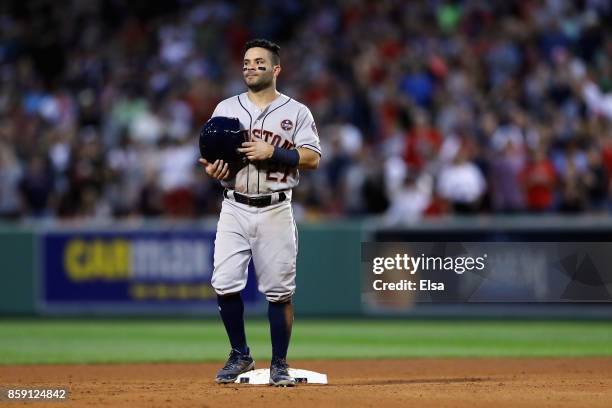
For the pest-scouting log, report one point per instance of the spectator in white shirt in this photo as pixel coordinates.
(462, 184)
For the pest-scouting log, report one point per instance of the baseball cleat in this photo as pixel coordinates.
(279, 373)
(236, 364)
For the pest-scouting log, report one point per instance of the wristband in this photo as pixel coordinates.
(287, 157)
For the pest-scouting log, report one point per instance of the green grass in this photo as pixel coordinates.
(97, 341)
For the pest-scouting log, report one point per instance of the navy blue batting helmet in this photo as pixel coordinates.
(220, 137)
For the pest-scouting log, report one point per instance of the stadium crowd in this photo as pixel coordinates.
(423, 108)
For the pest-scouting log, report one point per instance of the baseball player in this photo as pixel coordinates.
(256, 219)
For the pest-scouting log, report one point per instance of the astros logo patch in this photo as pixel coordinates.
(287, 124)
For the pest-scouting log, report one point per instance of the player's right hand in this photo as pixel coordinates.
(218, 170)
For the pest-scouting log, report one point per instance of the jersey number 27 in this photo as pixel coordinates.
(273, 173)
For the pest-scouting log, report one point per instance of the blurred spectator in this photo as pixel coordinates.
(418, 85)
(10, 175)
(596, 180)
(36, 187)
(411, 201)
(373, 190)
(176, 163)
(422, 142)
(509, 144)
(150, 200)
(506, 192)
(572, 165)
(573, 190)
(539, 180)
(462, 184)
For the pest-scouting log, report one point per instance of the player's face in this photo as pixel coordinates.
(258, 71)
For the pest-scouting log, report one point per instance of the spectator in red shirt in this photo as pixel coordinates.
(538, 179)
(422, 142)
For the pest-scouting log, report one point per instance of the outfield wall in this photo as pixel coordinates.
(159, 269)
(165, 268)
(18, 260)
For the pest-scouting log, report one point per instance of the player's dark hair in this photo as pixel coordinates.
(268, 45)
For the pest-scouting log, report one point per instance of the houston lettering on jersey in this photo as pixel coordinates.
(274, 171)
(271, 138)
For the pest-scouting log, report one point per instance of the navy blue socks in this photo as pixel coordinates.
(280, 316)
(231, 309)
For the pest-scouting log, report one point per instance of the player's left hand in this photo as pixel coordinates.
(257, 150)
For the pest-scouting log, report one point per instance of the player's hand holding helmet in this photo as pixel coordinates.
(220, 138)
(218, 169)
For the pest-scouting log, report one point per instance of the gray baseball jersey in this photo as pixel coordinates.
(267, 235)
(284, 123)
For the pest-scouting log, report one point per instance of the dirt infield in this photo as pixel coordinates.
(377, 383)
